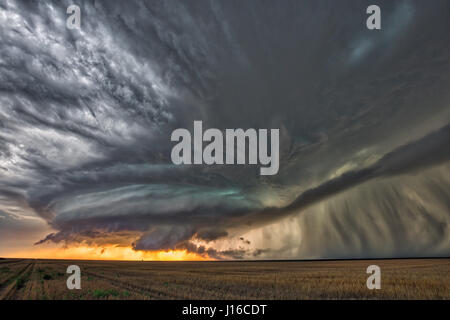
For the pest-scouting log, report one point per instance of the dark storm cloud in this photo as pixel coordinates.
(86, 115)
(408, 159)
(411, 158)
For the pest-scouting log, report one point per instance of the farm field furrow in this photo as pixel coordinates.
(344, 279)
(10, 270)
(15, 282)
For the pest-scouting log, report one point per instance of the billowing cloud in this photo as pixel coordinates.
(86, 117)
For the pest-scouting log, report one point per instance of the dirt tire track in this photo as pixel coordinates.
(7, 291)
(160, 294)
(11, 261)
(156, 294)
(8, 279)
(31, 283)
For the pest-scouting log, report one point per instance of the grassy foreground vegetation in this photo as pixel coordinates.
(400, 279)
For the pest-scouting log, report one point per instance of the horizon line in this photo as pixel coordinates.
(237, 260)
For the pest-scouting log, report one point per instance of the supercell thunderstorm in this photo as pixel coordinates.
(86, 117)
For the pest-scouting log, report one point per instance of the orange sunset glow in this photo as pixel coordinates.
(105, 253)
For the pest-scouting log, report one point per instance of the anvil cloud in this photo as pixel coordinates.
(86, 117)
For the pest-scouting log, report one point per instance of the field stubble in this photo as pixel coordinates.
(400, 279)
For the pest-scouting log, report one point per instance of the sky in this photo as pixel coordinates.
(86, 117)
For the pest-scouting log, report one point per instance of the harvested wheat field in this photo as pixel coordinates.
(341, 279)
